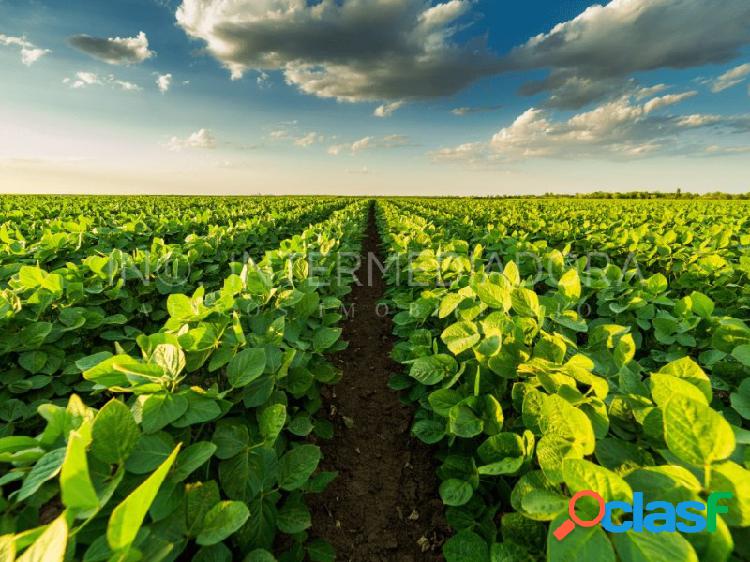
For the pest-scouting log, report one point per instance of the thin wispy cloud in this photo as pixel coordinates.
(84, 79)
(30, 53)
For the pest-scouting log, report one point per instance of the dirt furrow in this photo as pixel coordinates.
(384, 505)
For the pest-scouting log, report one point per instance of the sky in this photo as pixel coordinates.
(381, 97)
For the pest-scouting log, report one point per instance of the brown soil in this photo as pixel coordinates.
(384, 505)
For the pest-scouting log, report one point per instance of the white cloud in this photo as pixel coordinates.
(163, 82)
(30, 53)
(730, 78)
(85, 79)
(387, 109)
(114, 50)
(620, 129)
(309, 139)
(352, 50)
(664, 101)
(369, 143)
(200, 139)
(592, 55)
(463, 111)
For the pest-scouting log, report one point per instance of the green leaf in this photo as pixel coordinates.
(271, 421)
(494, 295)
(652, 547)
(742, 354)
(320, 551)
(149, 452)
(222, 521)
(127, 518)
(260, 555)
(192, 458)
(51, 544)
(114, 433)
(455, 492)
(432, 369)
(689, 370)
(582, 544)
(460, 336)
(466, 546)
(664, 387)
(741, 399)
(296, 466)
(525, 302)
(76, 487)
(45, 469)
(159, 410)
(731, 477)
(443, 400)
(696, 433)
(246, 366)
(324, 338)
(569, 285)
(463, 422)
(429, 431)
(559, 417)
(293, 518)
(580, 474)
(702, 305)
(200, 497)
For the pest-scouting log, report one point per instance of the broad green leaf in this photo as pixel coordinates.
(45, 469)
(222, 521)
(324, 338)
(433, 369)
(525, 302)
(246, 366)
(460, 336)
(689, 370)
(580, 474)
(149, 452)
(664, 387)
(159, 410)
(127, 518)
(731, 477)
(114, 433)
(741, 399)
(466, 546)
(77, 489)
(494, 295)
(582, 544)
(455, 492)
(271, 421)
(191, 458)
(651, 547)
(297, 465)
(696, 433)
(293, 518)
(569, 285)
(429, 431)
(742, 354)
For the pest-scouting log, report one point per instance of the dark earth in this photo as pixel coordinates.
(384, 505)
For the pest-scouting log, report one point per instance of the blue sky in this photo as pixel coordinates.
(374, 96)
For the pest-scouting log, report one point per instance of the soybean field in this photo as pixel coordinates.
(367, 379)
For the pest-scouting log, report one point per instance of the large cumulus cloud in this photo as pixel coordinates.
(592, 55)
(352, 50)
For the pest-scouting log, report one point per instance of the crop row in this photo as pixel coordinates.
(50, 318)
(529, 399)
(192, 443)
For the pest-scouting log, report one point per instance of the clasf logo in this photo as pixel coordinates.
(656, 517)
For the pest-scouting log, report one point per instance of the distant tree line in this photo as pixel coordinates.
(679, 194)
